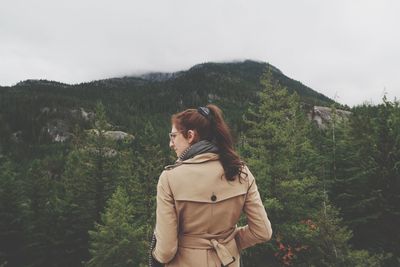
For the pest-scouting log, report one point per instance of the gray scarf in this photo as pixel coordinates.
(203, 146)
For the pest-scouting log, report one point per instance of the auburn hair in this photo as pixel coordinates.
(214, 129)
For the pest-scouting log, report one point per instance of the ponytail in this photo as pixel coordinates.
(230, 160)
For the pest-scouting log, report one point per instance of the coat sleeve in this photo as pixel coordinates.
(166, 231)
(258, 228)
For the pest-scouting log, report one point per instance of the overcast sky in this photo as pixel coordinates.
(344, 48)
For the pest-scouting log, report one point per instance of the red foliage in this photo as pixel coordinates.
(286, 253)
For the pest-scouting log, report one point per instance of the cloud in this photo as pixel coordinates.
(348, 48)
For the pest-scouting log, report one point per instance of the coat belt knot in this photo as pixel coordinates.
(223, 253)
(217, 243)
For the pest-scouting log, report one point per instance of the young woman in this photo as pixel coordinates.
(200, 197)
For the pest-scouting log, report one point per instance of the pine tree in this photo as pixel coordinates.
(279, 150)
(116, 241)
(147, 164)
(142, 166)
(367, 189)
(90, 177)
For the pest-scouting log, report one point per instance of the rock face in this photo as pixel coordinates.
(59, 122)
(323, 115)
(58, 130)
(118, 135)
(57, 125)
(112, 135)
(82, 114)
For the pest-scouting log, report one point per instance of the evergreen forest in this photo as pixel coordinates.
(79, 166)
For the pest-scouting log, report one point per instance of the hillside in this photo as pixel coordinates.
(40, 111)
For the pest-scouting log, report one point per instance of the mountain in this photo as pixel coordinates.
(34, 111)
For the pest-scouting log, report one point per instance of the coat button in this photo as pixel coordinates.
(213, 197)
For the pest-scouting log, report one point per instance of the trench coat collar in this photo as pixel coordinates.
(201, 158)
(204, 157)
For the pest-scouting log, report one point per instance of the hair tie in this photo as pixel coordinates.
(204, 111)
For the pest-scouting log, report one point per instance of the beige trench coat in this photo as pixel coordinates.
(197, 212)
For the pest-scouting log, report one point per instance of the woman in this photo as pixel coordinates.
(200, 197)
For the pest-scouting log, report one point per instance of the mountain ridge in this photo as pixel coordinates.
(38, 111)
(253, 69)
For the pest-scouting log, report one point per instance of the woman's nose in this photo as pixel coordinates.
(171, 144)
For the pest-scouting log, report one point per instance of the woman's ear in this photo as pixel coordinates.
(191, 136)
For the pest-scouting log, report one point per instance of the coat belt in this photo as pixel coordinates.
(217, 243)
